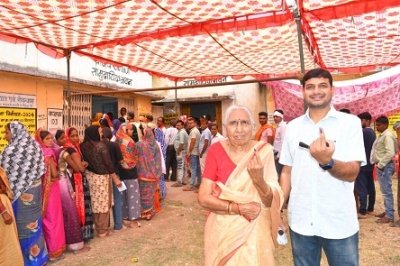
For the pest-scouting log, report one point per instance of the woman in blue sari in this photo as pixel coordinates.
(23, 162)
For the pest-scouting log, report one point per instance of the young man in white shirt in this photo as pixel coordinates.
(216, 136)
(279, 136)
(180, 145)
(321, 153)
(170, 160)
(205, 141)
(193, 155)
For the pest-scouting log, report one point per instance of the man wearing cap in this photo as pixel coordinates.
(396, 127)
(266, 132)
(279, 135)
(364, 185)
(383, 150)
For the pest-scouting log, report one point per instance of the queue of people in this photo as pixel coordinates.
(57, 192)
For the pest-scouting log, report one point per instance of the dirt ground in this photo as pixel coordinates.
(175, 237)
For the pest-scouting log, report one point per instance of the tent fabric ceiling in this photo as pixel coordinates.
(378, 97)
(206, 39)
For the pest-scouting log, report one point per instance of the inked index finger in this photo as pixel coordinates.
(322, 140)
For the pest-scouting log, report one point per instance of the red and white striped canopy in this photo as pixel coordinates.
(203, 39)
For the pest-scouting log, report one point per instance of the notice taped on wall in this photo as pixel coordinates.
(26, 116)
(54, 120)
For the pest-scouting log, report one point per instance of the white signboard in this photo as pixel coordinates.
(17, 100)
(54, 120)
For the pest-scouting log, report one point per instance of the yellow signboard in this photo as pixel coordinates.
(392, 120)
(26, 116)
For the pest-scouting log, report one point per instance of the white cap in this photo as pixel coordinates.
(276, 113)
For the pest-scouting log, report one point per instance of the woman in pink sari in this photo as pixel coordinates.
(240, 189)
(53, 223)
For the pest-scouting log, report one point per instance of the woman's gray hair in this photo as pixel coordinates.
(232, 108)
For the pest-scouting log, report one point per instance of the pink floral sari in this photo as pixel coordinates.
(53, 221)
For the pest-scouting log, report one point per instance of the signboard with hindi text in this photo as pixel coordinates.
(26, 116)
(54, 120)
(17, 100)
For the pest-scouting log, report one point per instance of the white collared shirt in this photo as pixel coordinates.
(320, 204)
(218, 137)
(170, 135)
(279, 136)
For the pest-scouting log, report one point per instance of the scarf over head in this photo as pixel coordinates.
(92, 134)
(49, 152)
(108, 120)
(116, 125)
(96, 119)
(149, 164)
(77, 177)
(68, 142)
(127, 146)
(22, 160)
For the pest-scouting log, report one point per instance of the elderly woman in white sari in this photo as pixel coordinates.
(241, 191)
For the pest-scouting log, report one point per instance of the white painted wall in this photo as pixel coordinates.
(27, 56)
(244, 94)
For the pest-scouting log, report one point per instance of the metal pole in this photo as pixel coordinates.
(296, 14)
(176, 98)
(69, 88)
(186, 87)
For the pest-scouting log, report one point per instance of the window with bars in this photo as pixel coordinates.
(81, 111)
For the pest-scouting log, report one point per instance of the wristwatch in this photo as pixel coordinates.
(328, 165)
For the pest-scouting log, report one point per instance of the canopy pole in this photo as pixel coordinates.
(187, 87)
(69, 88)
(176, 98)
(297, 18)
